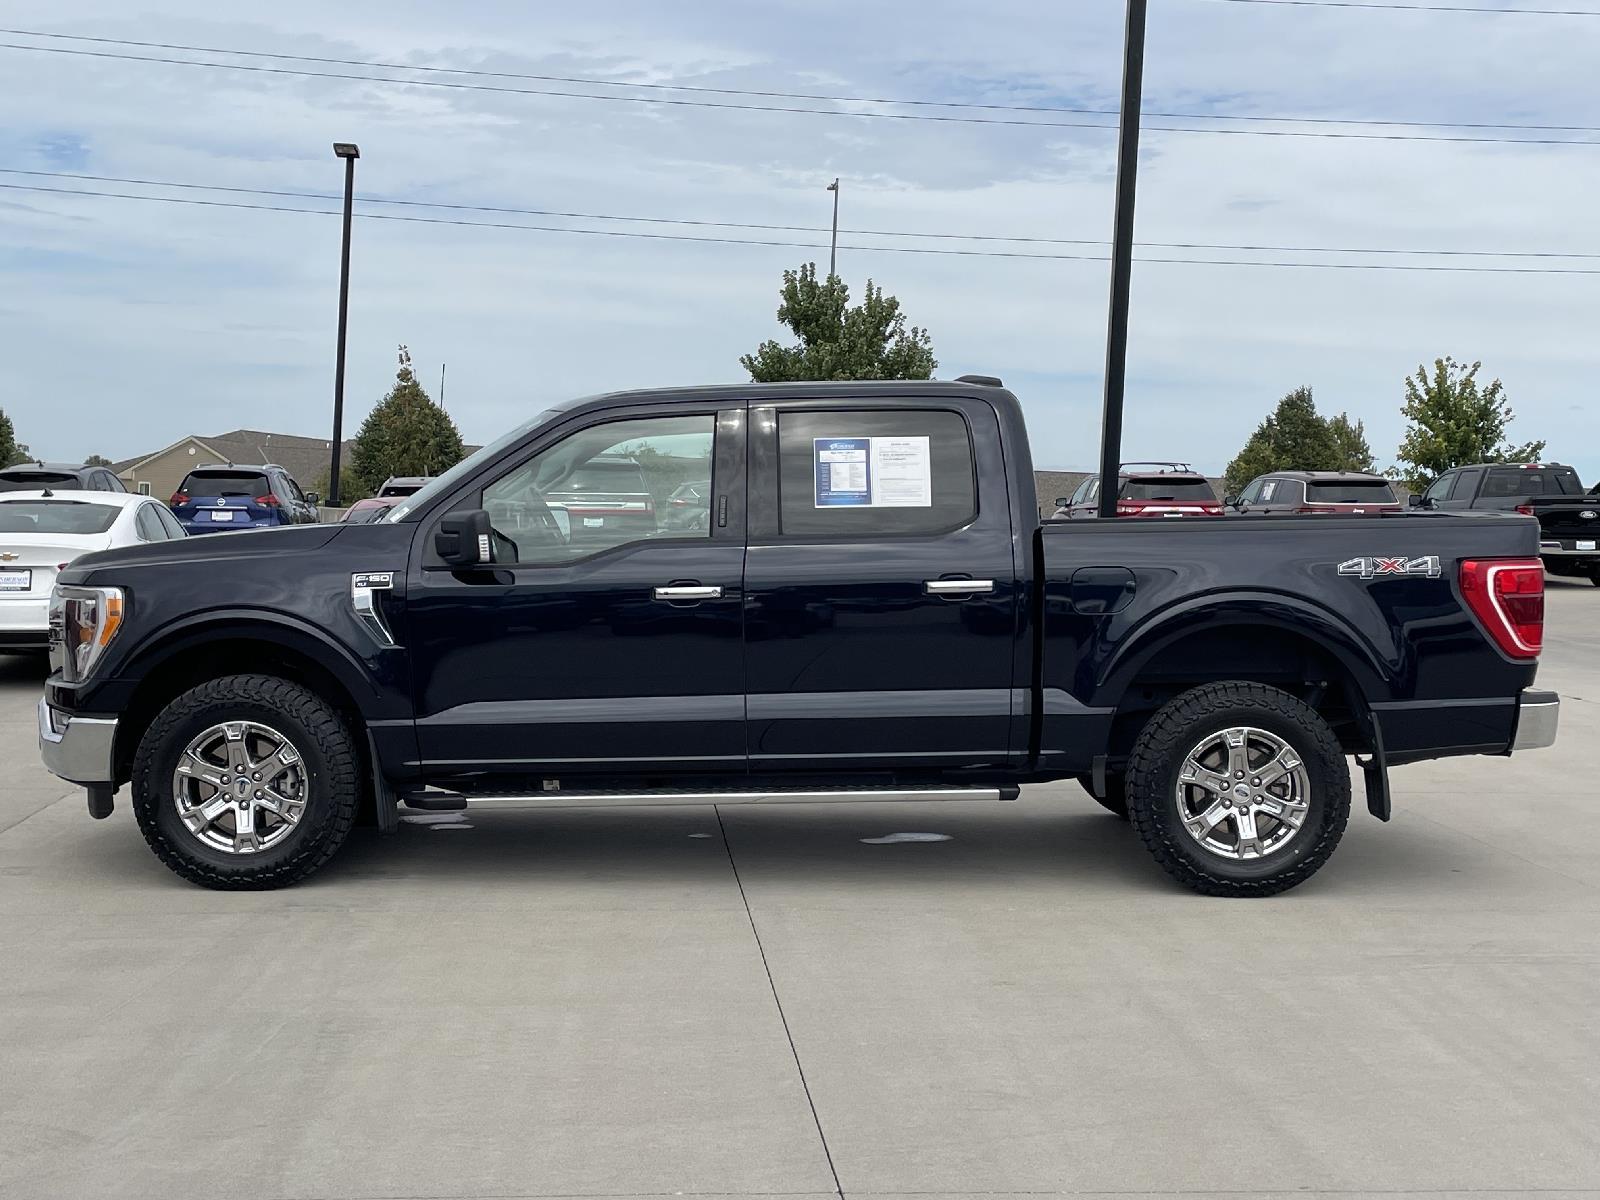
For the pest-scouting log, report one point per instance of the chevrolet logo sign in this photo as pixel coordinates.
(9, 557)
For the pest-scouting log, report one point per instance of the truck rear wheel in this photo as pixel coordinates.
(1238, 789)
(246, 782)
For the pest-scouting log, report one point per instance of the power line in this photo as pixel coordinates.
(682, 237)
(778, 95)
(1452, 8)
(773, 228)
(766, 108)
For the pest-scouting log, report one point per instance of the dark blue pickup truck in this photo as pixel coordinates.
(864, 606)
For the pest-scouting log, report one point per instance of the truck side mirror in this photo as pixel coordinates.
(1063, 501)
(313, 498)
(1231, 501)
(1414, 500)
(463, 538)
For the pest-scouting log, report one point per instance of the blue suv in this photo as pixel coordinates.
(218, 499)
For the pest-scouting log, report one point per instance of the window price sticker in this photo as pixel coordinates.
(877, 472)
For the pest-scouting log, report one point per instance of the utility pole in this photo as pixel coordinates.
(441, 384)
(348, 151)
(833, 246)
(1122, 257)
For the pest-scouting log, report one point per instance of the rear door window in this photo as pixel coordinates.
(169, 523)
(224, 483)
(862, 474)
(1466, 485)
(149, 525)
(1350, 491)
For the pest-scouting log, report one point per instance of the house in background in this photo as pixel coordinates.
(307, 459)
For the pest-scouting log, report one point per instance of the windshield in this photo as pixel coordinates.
(223, 483)
(1168, 488)
(466, 466)
(55, 516)
(1350, 491)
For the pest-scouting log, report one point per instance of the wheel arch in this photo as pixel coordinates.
(1279, 641)
(238, 644)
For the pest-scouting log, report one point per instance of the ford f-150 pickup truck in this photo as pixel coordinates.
(869, 609)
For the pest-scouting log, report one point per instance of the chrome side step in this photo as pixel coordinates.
(452, 801)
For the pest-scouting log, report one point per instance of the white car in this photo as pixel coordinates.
(41, 532)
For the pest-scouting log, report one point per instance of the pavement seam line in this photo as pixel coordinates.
(778, 1001)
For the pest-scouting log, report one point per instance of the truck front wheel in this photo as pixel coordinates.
(1238, 789)
(246, 782)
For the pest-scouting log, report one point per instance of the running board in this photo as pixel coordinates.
(451, 801)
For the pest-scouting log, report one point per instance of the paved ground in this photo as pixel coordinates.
(579, 1004)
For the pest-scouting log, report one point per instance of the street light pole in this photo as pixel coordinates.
(1122, 258)
(348, 151)
(833, 246)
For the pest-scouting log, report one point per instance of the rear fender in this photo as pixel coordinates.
(1372, 665)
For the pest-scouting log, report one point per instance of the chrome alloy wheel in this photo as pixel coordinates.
(240, 787)
(1243, 793)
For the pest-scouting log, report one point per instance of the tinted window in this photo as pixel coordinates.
(291, 488)
(1440, 487)
(1518, 481)
(23, 480)
(169, 523)
(55, 516)
(867, 474)
(1167, 488)
(1252, 493)
(1350, 491)
(149, 528)
(1466, 485)
(564, 504)
(224, 483)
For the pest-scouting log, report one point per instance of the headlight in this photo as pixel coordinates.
(83, 620)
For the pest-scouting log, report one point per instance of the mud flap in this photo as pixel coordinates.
(1375, 770)
(384, 801)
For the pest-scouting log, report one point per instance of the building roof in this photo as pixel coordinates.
(305, 458)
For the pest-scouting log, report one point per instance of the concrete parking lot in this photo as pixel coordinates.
(778, 1002)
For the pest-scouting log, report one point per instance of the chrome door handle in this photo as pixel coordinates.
(687, 592)
(958, 587)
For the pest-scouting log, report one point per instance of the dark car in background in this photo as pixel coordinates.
(1147, 490)
(32, 477)
(1347, 493)
(605, 497)
(215, 499)
(1569, 520)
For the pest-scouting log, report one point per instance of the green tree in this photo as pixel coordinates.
(11, 450)
(1295, 438)
(869, 341)
(406, 433)
(1351, 439)
(1453, 422)
(97, 460)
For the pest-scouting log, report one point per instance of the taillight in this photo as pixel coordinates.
(178, 498)
(1211, 510)
(1525, 509)
(1127, 510)
(269, 500)
(1507, 597)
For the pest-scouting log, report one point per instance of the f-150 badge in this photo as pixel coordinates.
(1383, 567)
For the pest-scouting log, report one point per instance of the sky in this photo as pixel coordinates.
(126, 324)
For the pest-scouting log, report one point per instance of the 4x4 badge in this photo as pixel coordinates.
(1383, 566)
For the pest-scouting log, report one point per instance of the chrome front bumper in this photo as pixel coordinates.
(78, 749)
(1538, 713)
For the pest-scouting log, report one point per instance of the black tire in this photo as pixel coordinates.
(332, 777)
(1115, 801)
(1179, 728)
